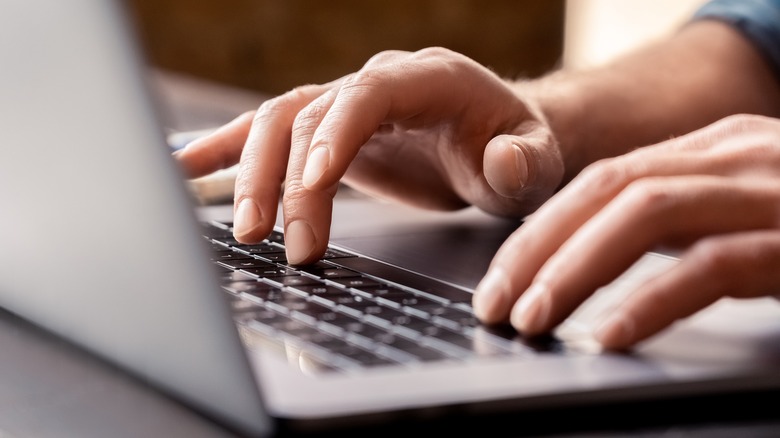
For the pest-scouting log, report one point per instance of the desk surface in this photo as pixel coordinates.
(50, 389)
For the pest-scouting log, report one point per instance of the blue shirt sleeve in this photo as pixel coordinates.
(757, 20)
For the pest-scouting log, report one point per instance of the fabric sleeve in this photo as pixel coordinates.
(757, 20)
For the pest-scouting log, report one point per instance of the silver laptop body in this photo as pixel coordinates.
(101, 247)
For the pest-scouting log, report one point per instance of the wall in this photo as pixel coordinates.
(274, 45)
(597, 31)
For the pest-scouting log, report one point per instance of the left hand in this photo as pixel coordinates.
(717, 189)
(424, 128)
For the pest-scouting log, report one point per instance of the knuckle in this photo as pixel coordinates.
(365, 80)
(739, 123)
(738, 265)
(309, 116)
(457, 63)
(285, 104)
(269, 110)
(301, 94)
(384, 68)
(743, 144)
(712, 255)
(628, 178)
(605, 175)
(385, 57)
(446, 61)
(294, 192)
(245, 178)
(649, 195)
(436, 52)
(759, 152)
(247, 115)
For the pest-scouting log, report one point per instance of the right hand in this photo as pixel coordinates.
(431, 128)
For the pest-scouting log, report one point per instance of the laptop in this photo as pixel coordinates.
(103, 246)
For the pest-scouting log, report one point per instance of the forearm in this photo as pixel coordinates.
(704, 72)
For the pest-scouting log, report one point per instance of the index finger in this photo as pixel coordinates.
(263, 163)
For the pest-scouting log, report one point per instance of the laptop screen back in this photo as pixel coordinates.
(95, 215)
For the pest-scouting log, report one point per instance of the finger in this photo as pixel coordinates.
(264, 162)
(421, 89)
(526, 167)
(375, 170)
(648, 212)
(525, 251)
(307, 213)
(741, 265)
(218, 150)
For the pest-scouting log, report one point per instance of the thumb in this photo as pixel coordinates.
(527, 167)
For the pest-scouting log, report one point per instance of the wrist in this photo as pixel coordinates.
(704, 72)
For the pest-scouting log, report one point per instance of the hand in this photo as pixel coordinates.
(430, 128)
(717, 189)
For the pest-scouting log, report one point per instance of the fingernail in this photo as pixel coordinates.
(616, 332)
(491, 296)
(532, 311)
(521, 165)
(246, 218)
(299, 240)
(316, 165)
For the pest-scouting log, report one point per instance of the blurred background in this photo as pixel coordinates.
(274, 45)
(271, 46)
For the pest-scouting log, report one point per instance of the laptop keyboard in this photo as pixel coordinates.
(348, 312)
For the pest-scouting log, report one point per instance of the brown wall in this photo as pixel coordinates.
(274, 45)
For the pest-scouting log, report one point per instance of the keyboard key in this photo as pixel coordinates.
(314, 312)
(276, 237)
(274, 257)
(402, 298)
(454, 315)
(369, 332)
(335, 254)
(294, 281)
(321, 289)
(397, 346)
(213, 232)
(269, 272)
(382, 314)
(261, 249)
(247, 262)
(351, 281)
(228, 275)
(250, 287)
(228, 255)
(229, 241)
(265, 292)
(325, 271)
(347, 311)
